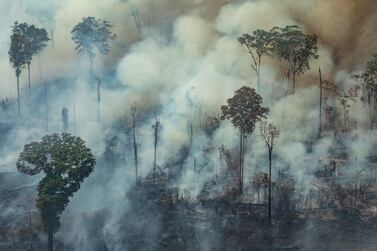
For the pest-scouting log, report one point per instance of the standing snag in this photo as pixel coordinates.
(269, 133)
(133, 113)
(66, 161)
(244, 110)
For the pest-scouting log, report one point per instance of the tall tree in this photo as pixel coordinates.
(17, 57)
(369, 78)
(66, 161)
(244, 110)
(92, 34)
(257, 44)
(35, 41)
(294, 49)
(269, 133)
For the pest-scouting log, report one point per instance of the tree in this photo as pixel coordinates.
(244, 110)
(294, 49)
(156, 127)
(66, 161)
(17, 57)
(35, 41)
(91, 34)
(257, 44)
(65, 119)
(133, 113)
(369, 78)
(269, 133)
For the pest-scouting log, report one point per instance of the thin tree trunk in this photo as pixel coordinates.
(46, 106)
(134, 143)
(240, 181)
(50, 246)
(269, 183)
(18, 95)
(243, 159)
(293, 83)
(155, 148)
(258, 73)
(320, 103)
(28, 70)
(98, 98)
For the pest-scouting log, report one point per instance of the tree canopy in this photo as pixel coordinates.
(17, 50)
(244, 109)
(66, 161)
(35, 39)
(92, 33)
(294, 50)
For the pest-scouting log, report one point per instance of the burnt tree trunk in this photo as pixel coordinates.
(241, 162)
(18, 94)
(320, 103)
(28, 70)
(156, 125)
(134, 141)
(50, 243)
(269, 183)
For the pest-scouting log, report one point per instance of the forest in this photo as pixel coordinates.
(188, 125)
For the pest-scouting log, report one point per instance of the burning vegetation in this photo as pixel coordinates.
(183, 148)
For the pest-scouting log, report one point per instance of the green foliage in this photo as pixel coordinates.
(369, 75)
(92, 33)
(244, 109)
(35, 39)
(17, 50)
(294, 49)
(66, 161)
(257, 44)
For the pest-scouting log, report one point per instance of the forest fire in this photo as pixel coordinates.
(188, 125)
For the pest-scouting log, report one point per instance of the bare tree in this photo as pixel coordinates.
(133, 112)
(269, 133)
(156, 128)
(320, 102)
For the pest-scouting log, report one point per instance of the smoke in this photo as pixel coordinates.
(182, 61)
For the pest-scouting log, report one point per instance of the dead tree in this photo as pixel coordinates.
(269, 133)
(98, 98)
(320, 103)
(156, 128)
(65, 119)
(133, 112)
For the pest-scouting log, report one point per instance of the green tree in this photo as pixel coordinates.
(66, 161)
(244, 110)
(369, 78)
(269, 133)
(294, 49)
(257, 44)
(17, 57)
(35, 41)
(93, 34)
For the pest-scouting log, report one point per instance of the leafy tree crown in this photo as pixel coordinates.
(244, 109)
